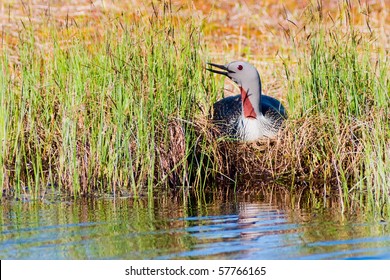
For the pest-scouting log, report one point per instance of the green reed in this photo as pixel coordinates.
(107, 116)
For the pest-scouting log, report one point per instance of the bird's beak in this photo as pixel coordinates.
(223, 67)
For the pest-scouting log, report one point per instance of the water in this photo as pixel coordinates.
(238, 228)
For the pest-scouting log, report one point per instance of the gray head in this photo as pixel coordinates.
(245, 75)
(239, 71)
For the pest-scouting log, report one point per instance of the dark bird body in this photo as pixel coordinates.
(228, 111)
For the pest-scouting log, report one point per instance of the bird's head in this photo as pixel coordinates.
(242, 73)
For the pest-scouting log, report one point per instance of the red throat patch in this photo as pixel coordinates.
(249, 111)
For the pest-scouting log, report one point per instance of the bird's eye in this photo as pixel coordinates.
(239, 67)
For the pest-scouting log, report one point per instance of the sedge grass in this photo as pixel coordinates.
(109, 117)
(128, 112)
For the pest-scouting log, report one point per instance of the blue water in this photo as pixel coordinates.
(123, 228)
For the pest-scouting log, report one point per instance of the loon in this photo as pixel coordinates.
(250, 115)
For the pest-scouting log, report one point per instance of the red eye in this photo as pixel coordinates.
(239, 67)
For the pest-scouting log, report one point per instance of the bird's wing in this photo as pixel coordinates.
(227, 112)
(273, 111)
(270, 105)
(227, 108)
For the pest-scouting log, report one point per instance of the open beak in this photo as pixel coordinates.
(223, 67)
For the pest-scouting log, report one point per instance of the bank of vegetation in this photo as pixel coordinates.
(125, 109)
